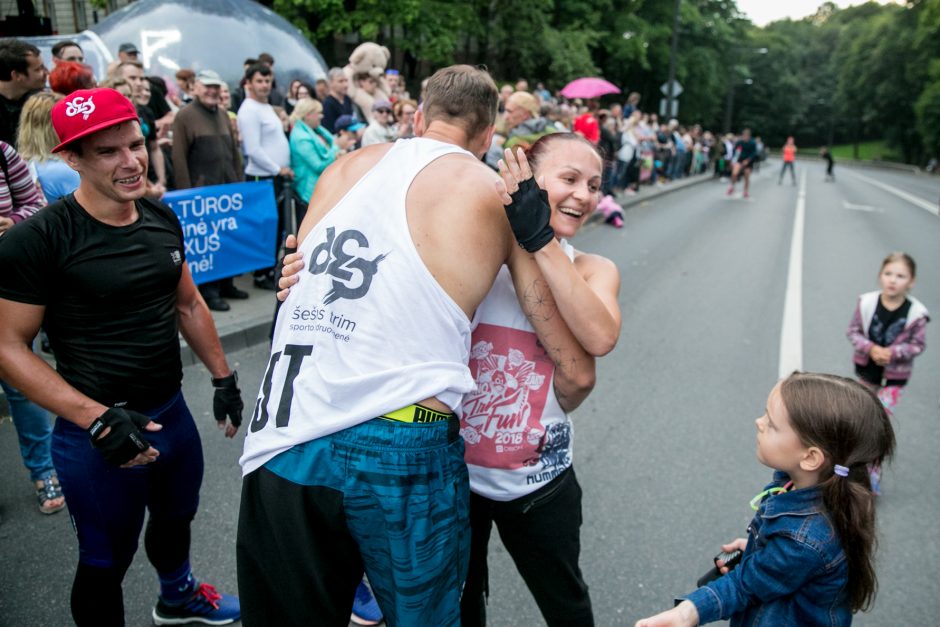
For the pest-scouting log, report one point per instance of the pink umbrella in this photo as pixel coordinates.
(589, 87)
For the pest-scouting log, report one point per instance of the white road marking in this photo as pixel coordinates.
(900, 193)
(854, 207)
(791, 332)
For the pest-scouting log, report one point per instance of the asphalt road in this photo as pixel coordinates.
(665, 445)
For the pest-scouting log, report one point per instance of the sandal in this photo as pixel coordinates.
(50, 491)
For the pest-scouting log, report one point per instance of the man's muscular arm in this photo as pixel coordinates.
(32, 376)
(198, 329)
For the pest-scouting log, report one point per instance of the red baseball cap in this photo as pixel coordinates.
(88, 111)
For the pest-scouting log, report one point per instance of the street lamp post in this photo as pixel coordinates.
(729, 103)
(670, 97)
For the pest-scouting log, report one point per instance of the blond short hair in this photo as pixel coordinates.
(525, 100)
(305, 107)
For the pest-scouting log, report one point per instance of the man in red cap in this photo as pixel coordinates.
(103, 270)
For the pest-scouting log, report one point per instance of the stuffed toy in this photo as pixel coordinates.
(368, 59)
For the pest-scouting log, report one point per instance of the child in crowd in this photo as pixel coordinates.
(888, 330)
(808, 556)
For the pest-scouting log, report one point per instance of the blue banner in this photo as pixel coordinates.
(227, 229)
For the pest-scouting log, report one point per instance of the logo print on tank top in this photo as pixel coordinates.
(501, 422)
(352, 275)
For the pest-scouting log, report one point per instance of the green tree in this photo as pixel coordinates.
(864, 72)
(928, 112)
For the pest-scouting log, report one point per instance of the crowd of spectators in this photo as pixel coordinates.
(291, 137)
(639, 149)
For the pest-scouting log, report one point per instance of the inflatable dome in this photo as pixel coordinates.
(211, 34)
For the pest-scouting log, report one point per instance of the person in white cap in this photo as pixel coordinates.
(103, 271)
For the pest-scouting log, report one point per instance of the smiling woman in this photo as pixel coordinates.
(548, 315)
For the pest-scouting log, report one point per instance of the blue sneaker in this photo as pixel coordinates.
(365, 610)
(206, 606)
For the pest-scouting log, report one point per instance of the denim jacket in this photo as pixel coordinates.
(793, 571)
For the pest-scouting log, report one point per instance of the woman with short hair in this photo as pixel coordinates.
(312, 149)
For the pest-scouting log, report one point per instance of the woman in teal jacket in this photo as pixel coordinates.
(312, 149)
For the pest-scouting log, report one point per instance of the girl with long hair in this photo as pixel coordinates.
(808, 557)
(887, 331)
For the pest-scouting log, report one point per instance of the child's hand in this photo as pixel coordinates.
(736, 545)
(682, 615)
(880, 354)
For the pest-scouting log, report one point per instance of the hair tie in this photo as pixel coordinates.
(842, 471)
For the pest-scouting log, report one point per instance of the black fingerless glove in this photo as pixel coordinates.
(125, 440)
(530, 216)
(227, 402)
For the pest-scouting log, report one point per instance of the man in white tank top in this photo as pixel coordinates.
(353, 460)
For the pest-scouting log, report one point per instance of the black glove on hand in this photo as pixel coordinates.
(529, 215)
(227, 402)
(125, 440)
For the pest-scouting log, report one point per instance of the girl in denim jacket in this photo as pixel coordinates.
(808, 556)
(888, 331)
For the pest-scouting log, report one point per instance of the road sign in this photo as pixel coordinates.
(662, 109)
(676, 88)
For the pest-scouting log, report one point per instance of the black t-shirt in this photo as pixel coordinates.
(10, 117)
(109, 294)
(333, 109)
(748, 150)
(883, 330)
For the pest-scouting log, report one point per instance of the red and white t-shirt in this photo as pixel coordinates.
(517, 436)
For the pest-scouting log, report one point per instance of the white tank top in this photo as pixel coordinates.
(517, 436)
(367, 329)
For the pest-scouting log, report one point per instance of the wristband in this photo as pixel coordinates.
(224, 382)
